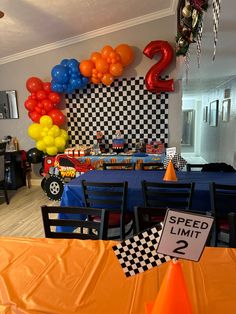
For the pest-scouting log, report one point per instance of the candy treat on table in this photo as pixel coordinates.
(118, 143)
(101, 141)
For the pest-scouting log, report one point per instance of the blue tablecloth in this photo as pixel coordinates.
(72, 195)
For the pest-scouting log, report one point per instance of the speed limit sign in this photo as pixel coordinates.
(184, 234)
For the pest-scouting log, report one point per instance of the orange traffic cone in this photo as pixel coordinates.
(173, 295)
(170, 174)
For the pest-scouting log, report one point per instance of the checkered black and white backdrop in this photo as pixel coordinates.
(126, 105)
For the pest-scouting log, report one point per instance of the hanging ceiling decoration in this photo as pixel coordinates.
(1, 14)
(190, 16)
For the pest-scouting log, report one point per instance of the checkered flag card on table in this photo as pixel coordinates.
(139, 253)
(178, 161)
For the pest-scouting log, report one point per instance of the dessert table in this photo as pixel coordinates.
(61, 276)
(97, 160)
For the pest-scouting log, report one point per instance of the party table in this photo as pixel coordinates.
(72, 194)
(97, 160)
(60, 276)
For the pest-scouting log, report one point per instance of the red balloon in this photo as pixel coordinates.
(47, 105)
(54, 97)
(30, 104)
(47, 87)
(34, 116)
(40, 105)
(38, 109)
(34, 84)
(33, 96)
(152, 81)
(41, 95)
(57, 117)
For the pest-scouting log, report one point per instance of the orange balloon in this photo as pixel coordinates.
(95, 80)
(101, 65)
(95, 56)
(116, 69)
(126, 53)
(86, 67)
(106, 51)
(107, 79)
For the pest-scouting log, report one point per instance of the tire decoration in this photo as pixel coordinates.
(53, 187)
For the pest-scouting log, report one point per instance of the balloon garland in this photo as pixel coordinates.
(69, 75)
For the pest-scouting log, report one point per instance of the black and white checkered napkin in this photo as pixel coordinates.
(139, 253)
(178, 161)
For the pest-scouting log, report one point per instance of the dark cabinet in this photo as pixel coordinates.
(15, 174)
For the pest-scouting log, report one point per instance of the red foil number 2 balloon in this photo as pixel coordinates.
(152, 81)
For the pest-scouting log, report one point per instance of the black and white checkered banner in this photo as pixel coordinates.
(139, 253)
(216, 16)
(126, 105)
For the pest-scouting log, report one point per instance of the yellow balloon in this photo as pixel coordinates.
(48, 140)
(40, 145)
(51, 150)
(56, 130)
(34, 131)
(64, 134)
(46, 121)
(60, 142)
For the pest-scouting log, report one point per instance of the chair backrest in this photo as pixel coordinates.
(151, 166)
(168, 195)
(119, 166)
(2, 161)
(223, 198)
(2, 148)
(79, 217)
(197, 167)
(109, 195)
(147, 217)
(232, 229)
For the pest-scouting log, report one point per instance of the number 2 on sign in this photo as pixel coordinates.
(183, 245)
(152, 81)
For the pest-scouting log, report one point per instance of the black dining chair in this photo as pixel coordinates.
(223, 202)
(3, 184)
(147, 217)
(151, 166)
(118, 166)
(79, 219)
(232, 229)
(167, 195)
(113, 197)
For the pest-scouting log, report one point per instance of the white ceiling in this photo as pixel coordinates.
(32, 25)
(29, 24)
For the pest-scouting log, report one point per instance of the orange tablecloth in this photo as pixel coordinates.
(74, 276)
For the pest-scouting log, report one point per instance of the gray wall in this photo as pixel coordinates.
(13, 75)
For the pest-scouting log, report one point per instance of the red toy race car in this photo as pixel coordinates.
(59, 170)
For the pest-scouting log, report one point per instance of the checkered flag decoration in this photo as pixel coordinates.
(178, 161)
(139, 253)
(216, 16)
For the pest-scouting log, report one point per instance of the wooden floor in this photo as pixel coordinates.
(22, 217)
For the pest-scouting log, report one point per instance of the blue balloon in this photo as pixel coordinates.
(60, 74)
(64, 62)
(66, 76)
(73, 63)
